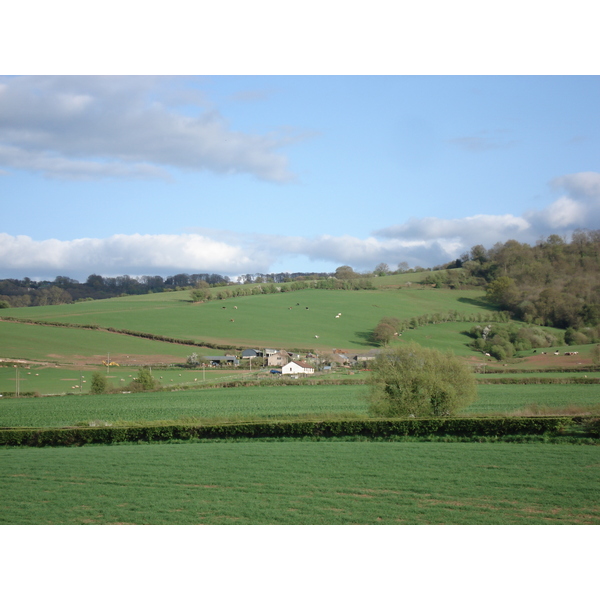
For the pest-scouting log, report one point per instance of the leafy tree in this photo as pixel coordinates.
(99, 383)
(144, 380)
(193, 360)
(200, 294)
(382, 269)
(345, 272)
(414, 381)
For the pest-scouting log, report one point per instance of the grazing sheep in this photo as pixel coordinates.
(337, 316)
(235, 307)
(317, 336)
(232, 320)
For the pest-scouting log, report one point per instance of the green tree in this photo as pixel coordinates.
(414, 381)
(99, 383)
(144, 381)
(345, 272)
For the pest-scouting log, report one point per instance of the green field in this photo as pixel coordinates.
(57, 344)
(287, 482)
(54, 380)
(301, 483)
(264, 403)
(263, 320)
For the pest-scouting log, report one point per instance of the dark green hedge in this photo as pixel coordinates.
(375, 428)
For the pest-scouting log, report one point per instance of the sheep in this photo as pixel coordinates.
(317, 336)
(232, 320)
(235, 307)
(337, 316)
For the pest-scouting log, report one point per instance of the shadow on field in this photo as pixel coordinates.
(366, 337)
(479, 302)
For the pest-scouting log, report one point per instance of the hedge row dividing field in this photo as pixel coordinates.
(294, 482)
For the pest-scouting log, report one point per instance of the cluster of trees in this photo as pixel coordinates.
(143, 382)
(502, 340)
(64, 290)
(552, 283)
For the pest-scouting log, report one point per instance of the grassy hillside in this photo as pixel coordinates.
(55, 344)
(273, 320)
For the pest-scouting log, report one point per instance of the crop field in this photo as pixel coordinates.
(301, 483)
(221, 404)
(265, 403)
(271, 320)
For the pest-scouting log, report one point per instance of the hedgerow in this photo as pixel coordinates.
(497, 428)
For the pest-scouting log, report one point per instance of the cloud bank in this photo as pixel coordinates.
(93, 127)
(426, 242)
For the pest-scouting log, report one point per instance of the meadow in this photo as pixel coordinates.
(284, 320)
(334, 483)
(62, 345)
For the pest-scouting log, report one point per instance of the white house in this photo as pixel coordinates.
(296, 367)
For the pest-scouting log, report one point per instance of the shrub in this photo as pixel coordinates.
(99, 383)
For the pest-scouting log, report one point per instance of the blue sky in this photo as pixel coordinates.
(242, 174)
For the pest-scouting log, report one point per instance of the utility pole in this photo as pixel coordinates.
(17, 381)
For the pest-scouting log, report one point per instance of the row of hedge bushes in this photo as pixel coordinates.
(372, 428)
(538, 380)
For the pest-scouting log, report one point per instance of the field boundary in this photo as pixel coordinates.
(468, 429)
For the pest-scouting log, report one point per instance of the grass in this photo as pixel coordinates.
(301, 483)
(210, 404)
(267, 403)
(263, 320)
(47, 380)
(55, 344)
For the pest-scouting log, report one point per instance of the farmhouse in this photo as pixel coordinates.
(297, 367)
(278, 359)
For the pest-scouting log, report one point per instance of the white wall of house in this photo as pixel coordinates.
(293, 368)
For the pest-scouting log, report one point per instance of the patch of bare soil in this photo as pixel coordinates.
(553, 360)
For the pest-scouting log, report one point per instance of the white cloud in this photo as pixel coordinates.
(75, 127)
(124, 254)
(426, 242)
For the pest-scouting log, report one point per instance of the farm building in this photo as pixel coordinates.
(297, 368)
(279, 359)
(223, 360)
(252, 353)
(365, 356)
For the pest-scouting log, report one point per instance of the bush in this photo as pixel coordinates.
(419, 382)
(99, 383)
(144, 381)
